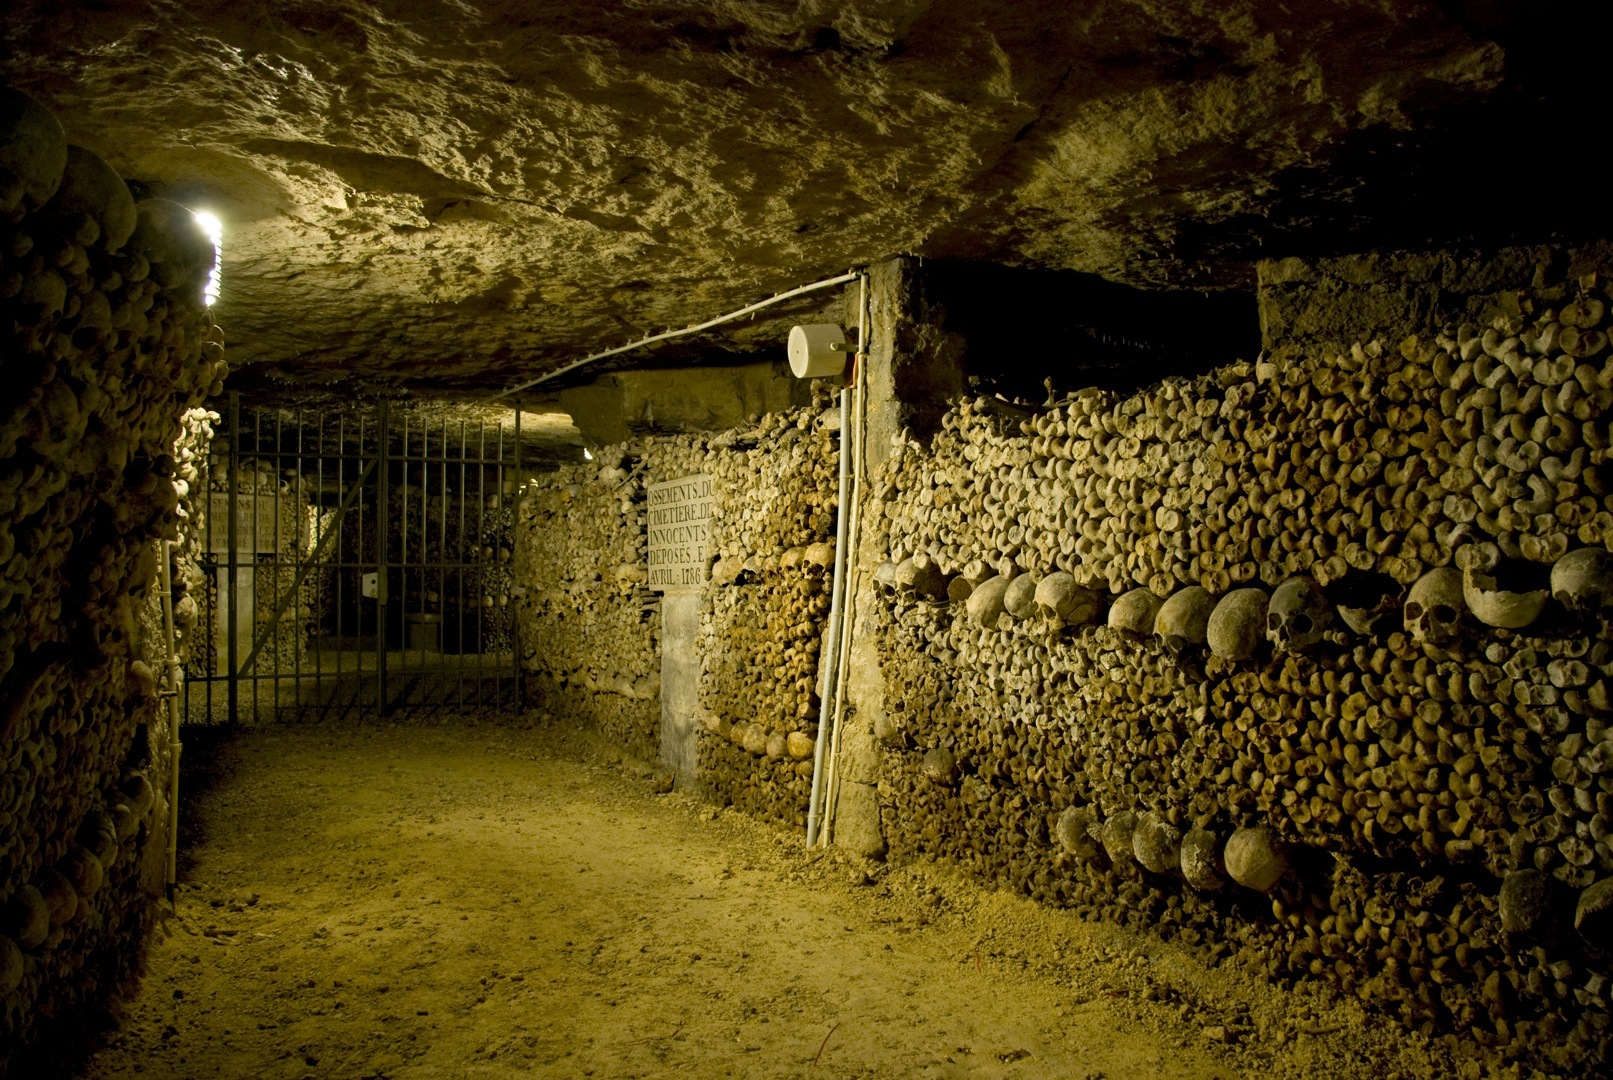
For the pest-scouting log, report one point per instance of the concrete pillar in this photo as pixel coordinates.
(680, 684)
(914, 370)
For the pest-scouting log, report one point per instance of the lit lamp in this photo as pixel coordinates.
(214, 228)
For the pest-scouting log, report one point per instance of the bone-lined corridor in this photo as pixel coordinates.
(1116, 498)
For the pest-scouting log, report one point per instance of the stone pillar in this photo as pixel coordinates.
(914, 369)
(680, 684)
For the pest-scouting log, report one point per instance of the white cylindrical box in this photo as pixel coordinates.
(812, 350)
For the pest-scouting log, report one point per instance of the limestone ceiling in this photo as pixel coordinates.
(458, 194)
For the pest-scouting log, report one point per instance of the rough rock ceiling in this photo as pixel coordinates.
(458, 194)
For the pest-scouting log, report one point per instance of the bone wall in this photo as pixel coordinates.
(106, 347)
(1304, 660)
(590, 628)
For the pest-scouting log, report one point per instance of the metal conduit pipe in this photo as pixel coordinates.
(833, 681)
(859, 429)
(172, 694)
(829, 687)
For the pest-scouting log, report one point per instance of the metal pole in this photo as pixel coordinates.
(299, 625)
(403, 549)
(277, 566)
(481, 548)
(828, 687)
(442, 557)
(317, 521)
(464, 563)
(172, 694)
(257, 543)
(515, 531)
(383, 510)
(232, 567)
(341, 561)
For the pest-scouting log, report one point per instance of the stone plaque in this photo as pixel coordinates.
(679, 525)
(256, 520)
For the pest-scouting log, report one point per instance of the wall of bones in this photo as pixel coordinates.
(1305, 659)
(590, 627)
(106, 347)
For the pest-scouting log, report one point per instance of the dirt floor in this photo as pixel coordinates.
(477, 901)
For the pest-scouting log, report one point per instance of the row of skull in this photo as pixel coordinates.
(1439, 607)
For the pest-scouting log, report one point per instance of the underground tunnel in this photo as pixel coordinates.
(931, 539)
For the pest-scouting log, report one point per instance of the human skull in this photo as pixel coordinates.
(1255, 858)
(940, 766)
(1183, 618)
(1364, 599)
(1527, 902)
(1201, 860)
(885, 579)
(175, 243)
(33, 152)
(1115, 835)
(1435, 609)
(1019, 599)
(1135, 613)
(1237, 624)
(91, 187)
(985, 603)
(1157, 844)
(904, 578)
(1064, 603)
(918, 578)
(959, 589)
(1593, 914)
(1582, 581)
(1297, 615)
(820, 555)
(1077, 832)
(1502, 597)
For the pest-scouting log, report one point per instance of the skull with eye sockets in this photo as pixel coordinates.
(1297, 616)
(1436, 611)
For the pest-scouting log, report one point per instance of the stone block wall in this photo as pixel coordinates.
(107, 343)
(1388, 768)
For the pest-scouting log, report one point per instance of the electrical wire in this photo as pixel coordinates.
(800, 290)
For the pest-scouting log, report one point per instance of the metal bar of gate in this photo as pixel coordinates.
(515, 530)
(383, 509)
(362, 552)
(442, 547)
(276, 568)
(403, 542)
(252, 566)
(299, 506)
(425, 547)
(481, 556)
(459, 608)
(341, 575)
(262, 636)
(232, 569)
(316, 532)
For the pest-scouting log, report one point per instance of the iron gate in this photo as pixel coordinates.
(357, 560)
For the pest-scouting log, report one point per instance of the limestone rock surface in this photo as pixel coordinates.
(460, 197)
